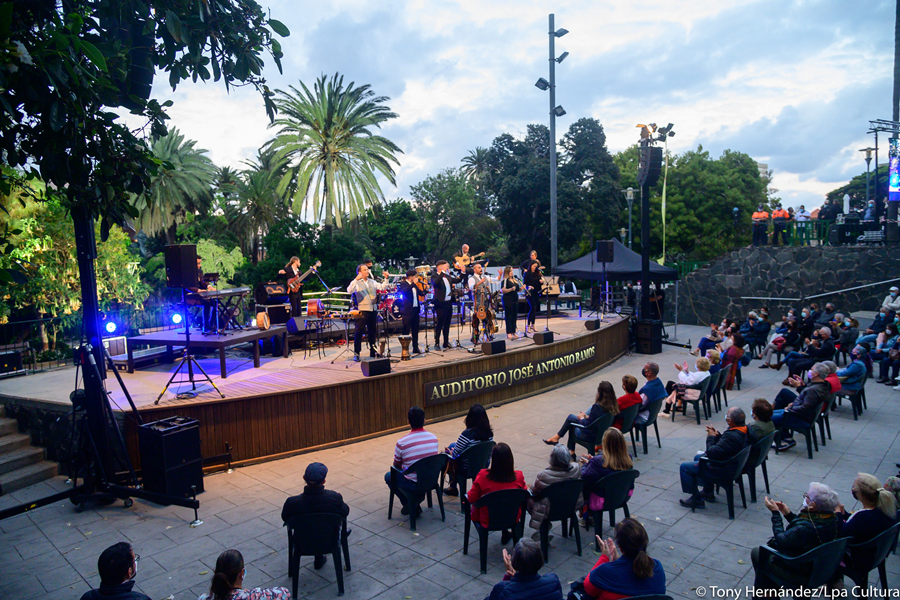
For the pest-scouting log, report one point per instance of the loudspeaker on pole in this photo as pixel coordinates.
(181, 266)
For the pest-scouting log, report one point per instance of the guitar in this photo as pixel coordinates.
(294, 282)
(465, 260)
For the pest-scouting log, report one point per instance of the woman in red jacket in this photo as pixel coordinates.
(501, 475)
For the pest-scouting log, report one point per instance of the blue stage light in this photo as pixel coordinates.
(110, 327)
(176, 318)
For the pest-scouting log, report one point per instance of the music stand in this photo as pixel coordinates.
(548, 283)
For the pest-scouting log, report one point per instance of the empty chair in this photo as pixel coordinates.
(643, 426)
(317, 534)
(628, 417)
(759, 453)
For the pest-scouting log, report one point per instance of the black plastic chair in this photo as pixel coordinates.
(809, 571)
(429, 478)
(759, 453)
(717, 394)
(857, 400)
(614, 490)
(317, 534)
(598, 428)
(729, 473)
(870, 555)
(628, 416)
(809, 432)
(653, 408)
(700, 401)
(476, 458)
(563, 497)
(711, 403)
(506, 510)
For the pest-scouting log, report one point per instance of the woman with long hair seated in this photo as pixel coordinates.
(878, 512)
(228, 581)
(624, 568)
(613, 456)
(501, 475)
(478, 429)
(604, 403)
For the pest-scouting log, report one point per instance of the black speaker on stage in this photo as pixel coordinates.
(494, 347)
(544, 337)
(292, 326)
(375, 366)
(592, 324)
(170, 456)
(181, 266)
(11, 363)
(649, 337)
(605, 252)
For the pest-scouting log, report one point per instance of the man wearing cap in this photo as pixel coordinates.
(760, 226)
(891, 301)
(780, 217)
(315, 499)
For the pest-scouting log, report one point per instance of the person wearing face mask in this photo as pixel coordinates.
(878, 513)
(800, 410)
(117, 567)
(891, 301)
(869, 213)
(887, 352)
(826, 317)
(780, 218)
(853, 376)
(760, 226)
(817, 349)
(807, 323)
(814, 525)
(849, 333)
(884, 316)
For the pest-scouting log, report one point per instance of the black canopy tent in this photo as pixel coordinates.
(626, 266)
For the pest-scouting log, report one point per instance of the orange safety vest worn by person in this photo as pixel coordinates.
(779, 214)
(760, 214)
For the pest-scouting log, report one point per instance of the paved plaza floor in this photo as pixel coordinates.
(52, 551)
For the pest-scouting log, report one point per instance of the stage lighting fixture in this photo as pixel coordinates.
(542, 84)
(559, 111)
(176, 318)
(560, 32)
(110, 327)
(562, 57)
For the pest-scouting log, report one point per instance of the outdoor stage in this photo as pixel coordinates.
(292, 404)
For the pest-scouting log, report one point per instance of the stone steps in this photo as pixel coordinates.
(21, 464)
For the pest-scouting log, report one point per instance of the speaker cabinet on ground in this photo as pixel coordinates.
(649, 337)
(592, 324)
(544, 337)
(605, 251)
(494, 347)
(278, 313)
(375, 366)
(170, 456)
(11, 364)
(181, 266)
(294, 326)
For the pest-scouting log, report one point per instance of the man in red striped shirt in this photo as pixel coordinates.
(415, 445)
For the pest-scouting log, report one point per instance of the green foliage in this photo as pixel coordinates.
(211, 226)
(328, 132)
(217, 259)
(856, 188)
(395, 233)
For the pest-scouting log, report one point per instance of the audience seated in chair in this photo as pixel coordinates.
(818, 348)
(501, 475)
(815, 524)
(624, 568)
(827, 316)
(715, 361)
(561, 468)
(731, 360)
(478, 429)
(686, 378)
(415, 445)
(801, 409)
(882, 319)
(716, 335)
(521, 580)
(613, 456)
(878, 512)
(885, 342)
(629, 399)
(117, 567)
(315, 499)
(604, 403)
(719, 447)
(228, 582)
(807, 324)
(785, 342)
(756, 330)
(762, 424)
(651, 391)
(853, 376)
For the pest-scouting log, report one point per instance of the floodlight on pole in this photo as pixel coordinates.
(542, 84)
(562, 57)
(559, 111)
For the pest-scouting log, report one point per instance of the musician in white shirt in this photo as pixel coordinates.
(480, 283)
(365, 291)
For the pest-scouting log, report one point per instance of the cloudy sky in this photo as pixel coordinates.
(791, 83)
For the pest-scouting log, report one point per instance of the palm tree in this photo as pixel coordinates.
(328, 132)
(181, 185)
(259, 204)
(476, 169)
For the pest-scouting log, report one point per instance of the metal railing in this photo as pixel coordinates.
(804, 298)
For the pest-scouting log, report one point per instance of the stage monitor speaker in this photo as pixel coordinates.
(279, 314)
(293, 325)
(592, 324)
(170, 456)
(544, 337)
(605, 251)
(181, 266)
(649, 337)
(375, 366)
(11, 364)
(494, 347)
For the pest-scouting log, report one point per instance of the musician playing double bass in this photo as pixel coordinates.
(409, 307)
(442, 283)
(365, 290)
(290, 271)
(479, 283)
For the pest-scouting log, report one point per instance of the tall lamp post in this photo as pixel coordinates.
(868, 152)
(555, 111)
(629, 197)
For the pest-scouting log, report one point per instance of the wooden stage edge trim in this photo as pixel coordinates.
(369, 436)
(284, 423)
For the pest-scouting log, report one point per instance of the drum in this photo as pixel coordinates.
(387, 304)
(354, 314)
(262, 320)
(395, 311)
(314, 308)
(405, 341)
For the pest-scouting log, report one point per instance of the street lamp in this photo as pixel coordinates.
(555, 111)
(622, 233)
(629, 197)
(868, 152)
